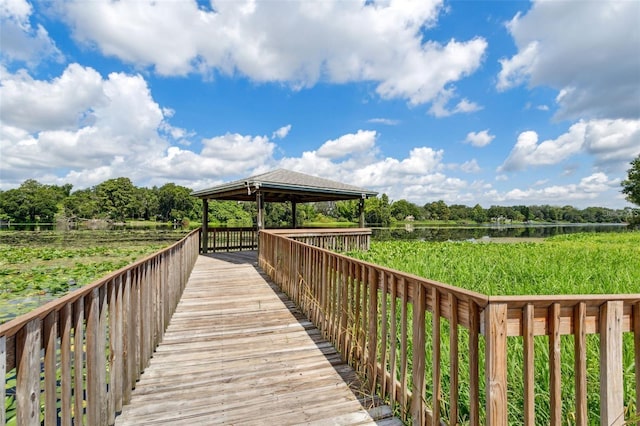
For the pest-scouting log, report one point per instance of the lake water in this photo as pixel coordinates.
(463, 233)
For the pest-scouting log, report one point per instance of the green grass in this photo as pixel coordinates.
(603, 263)
(571, 264)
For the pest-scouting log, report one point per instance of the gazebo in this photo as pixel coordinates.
(281, 186)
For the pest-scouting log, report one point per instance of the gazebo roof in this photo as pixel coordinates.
(285, 185)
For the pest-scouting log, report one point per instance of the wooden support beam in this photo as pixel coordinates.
(260, 205)
(205, 225)
(293, 214)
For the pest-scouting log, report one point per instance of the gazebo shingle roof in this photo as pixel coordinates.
(285, 185)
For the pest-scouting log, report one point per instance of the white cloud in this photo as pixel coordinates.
(470, 166)
(516, 70)
(439, 106)
(479, 139)
(362, 141)
(282, 132)
(334, 41)
(589, 188)
(77, 121)
(37, 105)
(587, 51)
(387, 121)
(21, 41)
(611, 142)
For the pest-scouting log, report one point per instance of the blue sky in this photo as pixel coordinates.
(489, 102)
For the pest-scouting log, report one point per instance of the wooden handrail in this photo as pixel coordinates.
(97, 340)
(232, 239)
(371, 313)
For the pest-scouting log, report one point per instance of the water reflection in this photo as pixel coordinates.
(452, 233)
(92, 225)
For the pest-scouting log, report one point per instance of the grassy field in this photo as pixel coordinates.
(36, 267)
(571, 264)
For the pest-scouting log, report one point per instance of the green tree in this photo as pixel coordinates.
(306, 212)
(116, 198)
(277, 215)
(631, 185)
(32, 201)
(377, 210)
(479, 214)
(83, 204)
(230, 213)
(402, 208)
(346, 210)
(176, 203)
(437, 210)
(147, 203)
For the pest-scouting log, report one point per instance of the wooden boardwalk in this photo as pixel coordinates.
(238, 352)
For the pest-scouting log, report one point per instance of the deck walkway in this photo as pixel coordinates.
(238, 352)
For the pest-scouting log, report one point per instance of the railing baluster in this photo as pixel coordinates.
(28, 373)
(528, 367)
(453, 360)
(50, 334)
(383, 332)
(65, 364)
(611, 384)
(373, 326)
(403, 345)
(555, 379)
(394, 339)
(636, 351)
(93, 358)
(436, 354)
(580, 362)
(496, 363)
(418, 354)
(474, 364)
(78, 361)
(3, 376)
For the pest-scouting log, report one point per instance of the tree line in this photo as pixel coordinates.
(119, 200)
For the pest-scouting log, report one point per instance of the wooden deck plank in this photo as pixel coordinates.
(237, 351)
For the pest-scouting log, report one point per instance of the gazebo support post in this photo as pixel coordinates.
(361, 211)
(205, 225)
(260, 205)
(293, 214)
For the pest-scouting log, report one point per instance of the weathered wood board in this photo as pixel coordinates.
(237, 351)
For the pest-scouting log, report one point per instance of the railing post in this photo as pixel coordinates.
(611, 382)
(28, 373)
(495, 325)
(419, 307)
(3, 375)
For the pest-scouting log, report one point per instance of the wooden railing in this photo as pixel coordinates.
(232, 239)
(334, 239)
(79, 356)
(419, 342)
(338, 239)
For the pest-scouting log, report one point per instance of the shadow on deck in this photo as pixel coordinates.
(238, 351)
